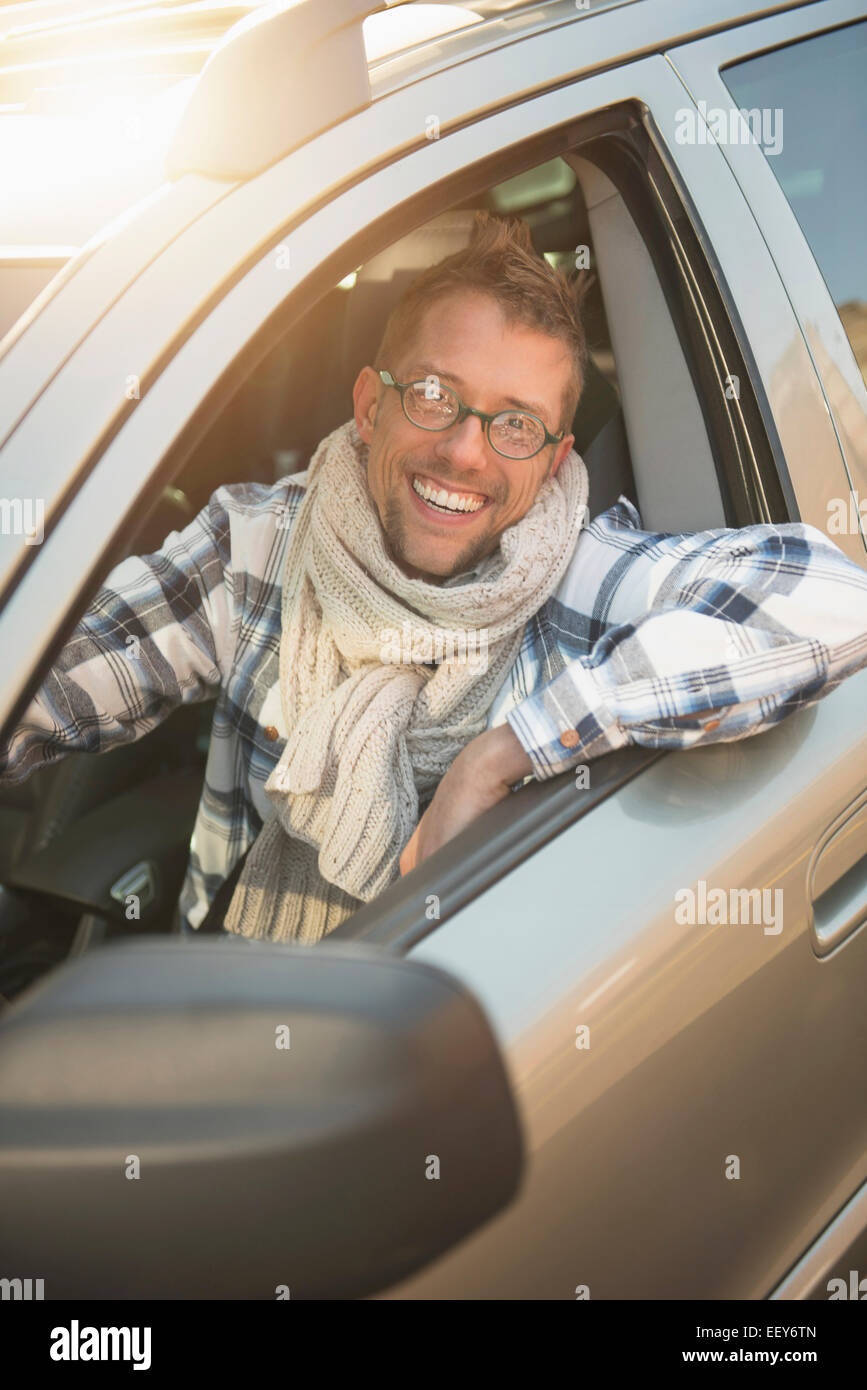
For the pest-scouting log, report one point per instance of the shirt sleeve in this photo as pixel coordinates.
(701, 638)
(158, 634)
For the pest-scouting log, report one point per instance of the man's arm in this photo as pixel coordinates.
(159, 633)
(704, 638)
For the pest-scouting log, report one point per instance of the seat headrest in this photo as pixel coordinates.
(420, 249)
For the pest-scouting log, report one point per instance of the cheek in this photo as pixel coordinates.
(378, 476)
(522, 495)
(384, 470)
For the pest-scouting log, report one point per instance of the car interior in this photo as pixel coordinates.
(639, 427)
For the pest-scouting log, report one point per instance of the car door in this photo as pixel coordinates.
(630, 1137)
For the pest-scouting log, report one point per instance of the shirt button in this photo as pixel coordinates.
(570, 738)
(271, 733)
(712, 724)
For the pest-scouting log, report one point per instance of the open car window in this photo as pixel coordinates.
(692, 464)
(302, 390)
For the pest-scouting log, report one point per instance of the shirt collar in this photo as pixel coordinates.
(479, 571)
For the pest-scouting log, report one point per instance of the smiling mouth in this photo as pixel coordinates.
(450, 503)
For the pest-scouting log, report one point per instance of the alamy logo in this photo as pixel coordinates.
(76, 1343)
(847, 515)
(23, 516)
(711, 907)
(408, 646)
(857, 1288)
(732, 127)
(24, 1289)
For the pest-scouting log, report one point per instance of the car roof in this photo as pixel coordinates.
(509, 21)
(48, 41)
(141, 63)
(333, 79)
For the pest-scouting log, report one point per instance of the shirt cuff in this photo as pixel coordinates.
(566, 722)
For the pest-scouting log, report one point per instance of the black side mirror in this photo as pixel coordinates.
(227, 1118)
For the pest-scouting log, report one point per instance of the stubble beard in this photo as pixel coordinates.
(395, 529)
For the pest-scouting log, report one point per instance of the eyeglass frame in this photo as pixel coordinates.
(464, 410)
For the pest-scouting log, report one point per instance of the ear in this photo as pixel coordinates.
(365, 399)
(563, 449)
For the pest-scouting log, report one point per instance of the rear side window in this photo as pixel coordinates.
(820, 87)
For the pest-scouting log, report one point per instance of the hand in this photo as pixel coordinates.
(480, 776)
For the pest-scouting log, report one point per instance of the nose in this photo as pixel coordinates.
(464, 445)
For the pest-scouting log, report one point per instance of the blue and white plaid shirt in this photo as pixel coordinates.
(645, 633)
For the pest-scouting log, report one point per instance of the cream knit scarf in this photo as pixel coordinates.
(371, 727)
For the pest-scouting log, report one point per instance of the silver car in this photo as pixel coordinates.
(518, 1074)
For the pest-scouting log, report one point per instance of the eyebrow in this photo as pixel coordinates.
(533, 407)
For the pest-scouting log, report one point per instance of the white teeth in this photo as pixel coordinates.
(449, 501)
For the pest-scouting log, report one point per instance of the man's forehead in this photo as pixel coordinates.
(508, 394)
(473, 347)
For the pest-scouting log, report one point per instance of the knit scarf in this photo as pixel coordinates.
(383, 680)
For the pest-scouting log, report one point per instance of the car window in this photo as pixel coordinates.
(286, 397)
(302, 390)
(817, 86)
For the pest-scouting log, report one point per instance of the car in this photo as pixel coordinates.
(523, 1072)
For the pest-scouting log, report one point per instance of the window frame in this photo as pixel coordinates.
(823, 338)
(750, 464)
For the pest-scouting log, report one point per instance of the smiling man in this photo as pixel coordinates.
(451, 503)
(446, 488)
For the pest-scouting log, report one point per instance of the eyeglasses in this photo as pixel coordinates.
(513, 433)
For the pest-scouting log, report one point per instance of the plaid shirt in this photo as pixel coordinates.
(645, 632)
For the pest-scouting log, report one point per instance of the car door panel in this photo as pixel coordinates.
(837, 879)
(708, 1042)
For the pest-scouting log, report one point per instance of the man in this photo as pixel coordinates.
(452, 505)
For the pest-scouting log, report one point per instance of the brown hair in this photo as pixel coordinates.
(500, 261)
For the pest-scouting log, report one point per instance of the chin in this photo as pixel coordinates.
(435, 569)
(437, 566)
(416, 555)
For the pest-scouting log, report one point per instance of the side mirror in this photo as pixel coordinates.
(230, 1119)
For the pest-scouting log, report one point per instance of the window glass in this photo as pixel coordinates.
(816, 93)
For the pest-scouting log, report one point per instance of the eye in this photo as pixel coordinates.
(427, 395)
(515, 425)
(429, 390)
(517, 435)
(429, 404)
